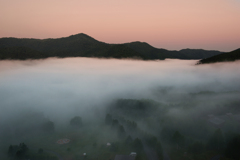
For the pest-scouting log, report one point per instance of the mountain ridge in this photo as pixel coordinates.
(83, 45)
(224, 57)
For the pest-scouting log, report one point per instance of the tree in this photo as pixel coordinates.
(151, 141)
(19, 151)
(115, 124)
(137, 145)
(40, 150)
(233, 148)
(114, 147)
(108, 119)
(121, 132)
(76, 121)
(165, 134)
(94, 144)
(131, 125)
(196, 148)
(48, 126)
(159, 150)
(178, 139)
(216, 142)
(10, 150)
(128, 140)
(23, 147)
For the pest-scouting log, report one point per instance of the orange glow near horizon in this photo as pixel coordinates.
(170, 24)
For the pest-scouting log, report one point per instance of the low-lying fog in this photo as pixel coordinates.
(72, 85)
(64, 88)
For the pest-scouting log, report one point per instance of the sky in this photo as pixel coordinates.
(169, 24)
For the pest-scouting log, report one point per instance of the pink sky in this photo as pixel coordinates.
(170, 24)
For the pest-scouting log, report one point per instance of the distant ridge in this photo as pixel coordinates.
(82, 45)
(21, 53)
(224, 57)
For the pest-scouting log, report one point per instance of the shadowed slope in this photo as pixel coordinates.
(225, 57)
(21, 53)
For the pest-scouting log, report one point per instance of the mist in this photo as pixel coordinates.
(60, 89)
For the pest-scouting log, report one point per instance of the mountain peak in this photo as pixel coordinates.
(80, 34)
(82, 37)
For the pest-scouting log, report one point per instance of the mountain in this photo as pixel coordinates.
(82, 45)
(224, 57)
(20, 53)
(198, 53)
(72, 46)
(155, 53)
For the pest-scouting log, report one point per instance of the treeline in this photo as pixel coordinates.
(228, 144)
(196, 137)
(18, 151)
(135, 109)
(22, 151)
(141, 138)
(136, 144)
(37, 125)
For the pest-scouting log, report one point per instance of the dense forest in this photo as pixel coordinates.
(144, 126)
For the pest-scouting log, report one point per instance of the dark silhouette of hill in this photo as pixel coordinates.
(20, 53)
(155, 53)
(82, 45)
(147, 51)
(72, 46)
(123, 51)
(198, 53)
(224, 57)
